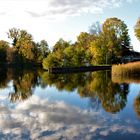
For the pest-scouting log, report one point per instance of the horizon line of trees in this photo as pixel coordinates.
(103, 44)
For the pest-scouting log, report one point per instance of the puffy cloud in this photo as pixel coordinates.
(40, 118)
(61, 8)
(64, 8)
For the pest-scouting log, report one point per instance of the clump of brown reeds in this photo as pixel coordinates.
(126, 72)
(126, 79)
(126, 69)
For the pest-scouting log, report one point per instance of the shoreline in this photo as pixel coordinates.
(78, 69)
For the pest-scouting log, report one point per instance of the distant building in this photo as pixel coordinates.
(129, 55)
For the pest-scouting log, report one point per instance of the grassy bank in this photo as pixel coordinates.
(126, 73)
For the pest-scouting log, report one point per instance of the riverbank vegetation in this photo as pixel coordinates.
(132, 68)
(126, 72)
(103, 44)
(126, 79)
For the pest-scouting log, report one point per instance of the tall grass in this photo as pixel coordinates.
(126, 79)
(126, 72)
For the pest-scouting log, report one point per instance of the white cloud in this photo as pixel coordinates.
(58, 8)
(40, 118)
(45, 18)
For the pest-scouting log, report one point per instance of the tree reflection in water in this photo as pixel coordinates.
(137, 105)
(24, 82)
(113, 97)
(23, 87)
(97, 86)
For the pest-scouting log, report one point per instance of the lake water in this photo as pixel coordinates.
(84, 106)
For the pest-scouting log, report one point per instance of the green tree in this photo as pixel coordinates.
(41, 50)
(53, 60)
(44, 48)
(60, 45)
(137, 29)
(69, 53)
(75, 56)
(57, 57)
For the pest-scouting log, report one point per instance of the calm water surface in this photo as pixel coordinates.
(86, 106)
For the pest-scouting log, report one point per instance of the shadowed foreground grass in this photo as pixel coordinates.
(127, 73)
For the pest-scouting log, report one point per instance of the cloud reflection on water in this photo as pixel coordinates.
(38, 118)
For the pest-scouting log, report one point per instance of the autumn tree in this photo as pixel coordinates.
(115, 28)
(82, 44)
(99, 50)
(117, 37)
(136, 105)
(22, 42)
(23, 86)
(3, 51)
(99, 86)
(110, 44)
(83, 40)
(137, 29)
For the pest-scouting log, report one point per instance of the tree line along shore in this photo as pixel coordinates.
(105, 43)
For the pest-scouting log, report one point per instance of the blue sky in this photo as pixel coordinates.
(54, 19)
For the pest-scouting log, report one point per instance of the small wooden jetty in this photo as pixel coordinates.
(78, 69)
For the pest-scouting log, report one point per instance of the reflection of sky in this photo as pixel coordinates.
(69, 97)
(4, 93)
(134, 90)
(50, 114)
